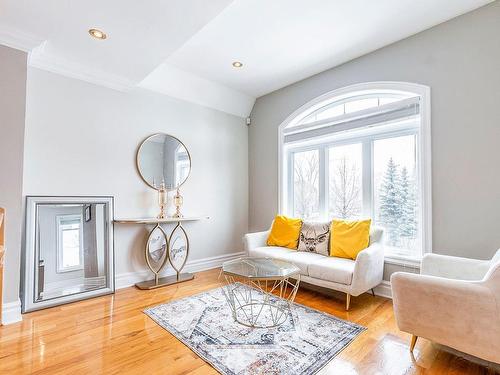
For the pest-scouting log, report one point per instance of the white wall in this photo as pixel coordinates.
(459, 60)
(81, 139)
(12, 112)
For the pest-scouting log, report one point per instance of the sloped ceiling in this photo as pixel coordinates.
(185, 48)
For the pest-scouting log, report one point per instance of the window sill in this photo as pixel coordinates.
(70, 269)
(398, 260)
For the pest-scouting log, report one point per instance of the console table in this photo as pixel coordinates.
(161, 249)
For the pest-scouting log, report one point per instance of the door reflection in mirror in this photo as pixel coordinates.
(71, 250)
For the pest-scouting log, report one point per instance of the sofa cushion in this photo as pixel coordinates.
(299, 258)
(337, 270)
(275, 252)
(302, 260)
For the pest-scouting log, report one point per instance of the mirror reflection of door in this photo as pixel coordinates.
(69, 243)
(71, 249)
(182, 164)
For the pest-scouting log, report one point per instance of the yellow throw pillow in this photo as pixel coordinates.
(285, 232)
(348, 238)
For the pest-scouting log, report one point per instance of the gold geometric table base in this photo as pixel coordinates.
(164, 281)
(260, 303)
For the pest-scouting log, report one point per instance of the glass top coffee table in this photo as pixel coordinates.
(260, 291)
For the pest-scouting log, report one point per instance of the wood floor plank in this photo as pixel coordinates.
(112, 335)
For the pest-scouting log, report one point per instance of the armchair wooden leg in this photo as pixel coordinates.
(373, 292)
(413, 342)
(347, 301)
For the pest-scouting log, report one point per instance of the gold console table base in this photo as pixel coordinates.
(180, 276)
(164, 281)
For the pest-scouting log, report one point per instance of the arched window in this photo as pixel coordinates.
(362, 151)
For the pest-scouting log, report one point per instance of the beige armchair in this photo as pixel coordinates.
(453, 302)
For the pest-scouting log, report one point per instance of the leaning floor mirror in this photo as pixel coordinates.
(68, 250)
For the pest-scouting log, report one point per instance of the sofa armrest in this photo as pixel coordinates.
(454, 267)
(257, 239)
(368, 269)
(460, 314)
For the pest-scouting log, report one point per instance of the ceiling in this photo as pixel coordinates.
(185, 48)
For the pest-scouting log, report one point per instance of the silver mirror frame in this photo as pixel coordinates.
(137, 160)
(29, 252)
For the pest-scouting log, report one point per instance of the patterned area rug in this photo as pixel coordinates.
(302, 345)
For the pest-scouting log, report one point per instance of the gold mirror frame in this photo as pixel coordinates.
(139, 169)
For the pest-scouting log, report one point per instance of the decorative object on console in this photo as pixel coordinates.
(315, 238)
(306, 341)
(164, 158)
(69, 250)
(178, 200)
(162, 201)
(285, 232)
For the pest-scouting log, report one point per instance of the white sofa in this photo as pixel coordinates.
(454, 302)
(352, 277)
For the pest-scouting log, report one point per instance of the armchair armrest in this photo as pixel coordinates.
(454, 267)
(368, 269)
(460, 314)
(257, 239)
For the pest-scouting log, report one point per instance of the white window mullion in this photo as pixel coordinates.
(323, 181)
(326, 152)
(290, 165)
(367, 178)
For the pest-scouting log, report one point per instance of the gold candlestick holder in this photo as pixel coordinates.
(178, 200)
(162, 201)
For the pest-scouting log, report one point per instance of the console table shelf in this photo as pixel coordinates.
(152, 220)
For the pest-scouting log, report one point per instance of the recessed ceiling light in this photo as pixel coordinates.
(237, 64)
(98, 34)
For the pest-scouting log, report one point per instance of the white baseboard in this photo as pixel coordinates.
(124, 280)
(384, 289)
(11, 312)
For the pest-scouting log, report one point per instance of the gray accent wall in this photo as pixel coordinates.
(12, 112)
(459, 60)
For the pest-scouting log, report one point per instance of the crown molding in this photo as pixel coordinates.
(17, 39)
(38, 57)
(172, 81)
(41, 59)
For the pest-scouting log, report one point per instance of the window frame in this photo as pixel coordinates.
(59, 242)
(423, 134)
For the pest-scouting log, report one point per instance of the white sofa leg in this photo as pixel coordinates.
(347, 301)
(373, 292)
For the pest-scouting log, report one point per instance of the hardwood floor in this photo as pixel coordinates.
(111, 335)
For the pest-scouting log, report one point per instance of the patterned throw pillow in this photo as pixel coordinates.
(314, 238)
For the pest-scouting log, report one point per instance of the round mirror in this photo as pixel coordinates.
(163, 159)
